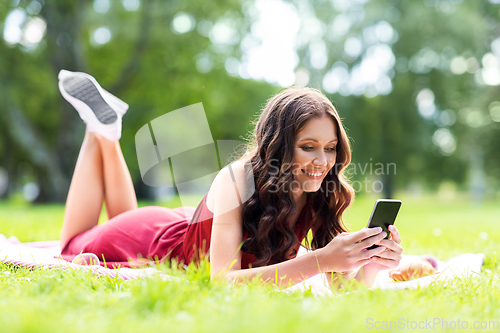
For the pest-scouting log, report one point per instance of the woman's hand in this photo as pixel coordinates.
(348, 251)
(391, 256)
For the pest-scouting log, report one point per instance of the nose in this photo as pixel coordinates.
(320, 159)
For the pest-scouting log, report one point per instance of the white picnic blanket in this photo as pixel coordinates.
(457, 267)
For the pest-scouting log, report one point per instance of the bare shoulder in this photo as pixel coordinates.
(231, 187)
(225, 198)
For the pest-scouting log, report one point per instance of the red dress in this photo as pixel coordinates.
(158, 234)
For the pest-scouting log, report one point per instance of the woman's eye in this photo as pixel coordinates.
(311, 148)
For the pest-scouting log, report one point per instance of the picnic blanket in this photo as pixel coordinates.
(461, 266)
(45, 254)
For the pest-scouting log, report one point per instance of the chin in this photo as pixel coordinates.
(312, 189)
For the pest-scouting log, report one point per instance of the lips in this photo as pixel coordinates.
(313, 174)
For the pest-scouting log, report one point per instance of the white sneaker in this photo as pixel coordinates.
(100, 110)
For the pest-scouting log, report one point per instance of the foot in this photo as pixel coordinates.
(100, 110)
(86, 259)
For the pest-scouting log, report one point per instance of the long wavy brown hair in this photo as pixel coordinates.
(267, 214)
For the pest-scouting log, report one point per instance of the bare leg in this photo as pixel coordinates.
(119, 193)
(85, 196)
(100, 173)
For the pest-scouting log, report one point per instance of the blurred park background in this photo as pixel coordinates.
(416, 82)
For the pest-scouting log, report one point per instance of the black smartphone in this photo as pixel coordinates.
(383, 214)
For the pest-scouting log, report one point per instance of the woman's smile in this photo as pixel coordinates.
(316, 175)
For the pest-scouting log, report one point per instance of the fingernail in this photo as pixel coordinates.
(384, 234)
(379, 229)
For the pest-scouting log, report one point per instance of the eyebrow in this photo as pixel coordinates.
(309, 139)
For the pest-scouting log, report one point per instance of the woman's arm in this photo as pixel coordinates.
(284, 274)
(361, 275)
(335, 279)
(343, 254)
(387, 259)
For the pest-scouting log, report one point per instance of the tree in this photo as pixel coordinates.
(413, 112)
(147, 62)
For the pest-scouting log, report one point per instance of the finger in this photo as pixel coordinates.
(389, 263)
(395, 234)
(362, 262)
(365, 233)
(387, 254)
(373, 240)
(391, 245)
(369, 253)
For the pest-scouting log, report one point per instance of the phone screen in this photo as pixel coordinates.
(384, 214)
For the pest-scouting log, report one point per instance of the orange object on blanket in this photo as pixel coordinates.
(412, 269)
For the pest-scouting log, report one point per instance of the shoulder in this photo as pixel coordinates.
(232, 186)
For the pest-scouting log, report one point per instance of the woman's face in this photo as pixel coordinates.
(315, 153)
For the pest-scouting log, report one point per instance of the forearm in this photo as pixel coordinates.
(361, 275)
(283, 274)
(366, 276)
(336, 279)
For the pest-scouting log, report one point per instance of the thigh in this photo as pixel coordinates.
(125, 236)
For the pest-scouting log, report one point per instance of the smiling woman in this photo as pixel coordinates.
(295, 151)
(298, 156)
(292, 175)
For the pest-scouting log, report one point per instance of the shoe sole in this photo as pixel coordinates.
(84, 90)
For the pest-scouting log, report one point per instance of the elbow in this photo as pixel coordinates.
(230, 276)
(221, 275)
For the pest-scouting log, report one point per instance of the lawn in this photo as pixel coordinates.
(52, 300)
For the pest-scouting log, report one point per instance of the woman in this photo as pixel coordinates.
(297, 158)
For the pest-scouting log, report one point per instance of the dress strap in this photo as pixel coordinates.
(199, 210)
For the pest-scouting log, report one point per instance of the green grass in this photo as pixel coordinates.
(53, 300)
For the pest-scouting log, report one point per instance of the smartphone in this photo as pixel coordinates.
(384, 214)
